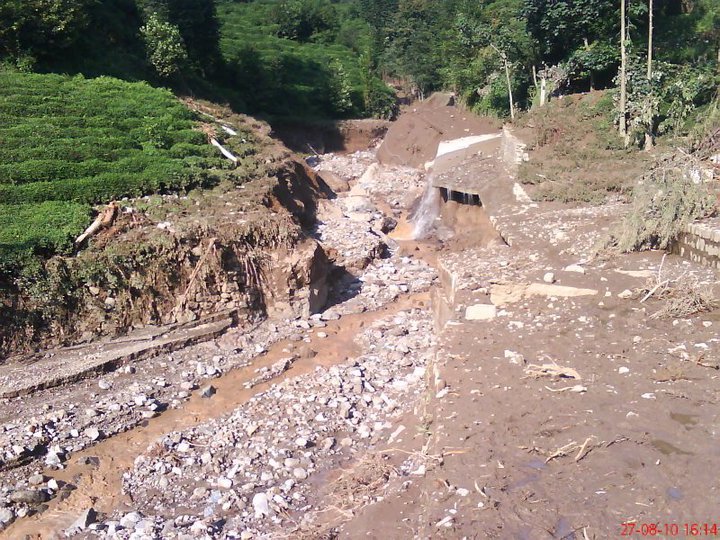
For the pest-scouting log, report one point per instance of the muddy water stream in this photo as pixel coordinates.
(98, 480)
(100, 486)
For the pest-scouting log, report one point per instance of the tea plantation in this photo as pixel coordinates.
(67, 143)
(286, 77)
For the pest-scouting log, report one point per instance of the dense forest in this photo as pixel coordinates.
(322, 58)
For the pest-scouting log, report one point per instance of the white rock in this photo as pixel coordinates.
(514, 357)
(623, 370)
(549, 277)
(92, 433)
(224, 483)
(260, 504)
(129, 520)
(87, 518)
(184, 446)
(480, 312)
(301, 442)
(6, 516)
(575, 268)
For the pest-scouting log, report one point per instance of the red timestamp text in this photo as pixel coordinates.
(706, 529)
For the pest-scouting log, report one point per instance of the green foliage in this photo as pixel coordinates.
(340, 89)
(665, 102)
(305, 20)
(31, 28)
(413, 53)
(48, 227)
(133, 39)
(380, 101)
(355, 34)
(69, 142)
(687, 32)
(561, 27)
(598, 57)
(292, 78)
(663, 203)
(483, 36)
(165, 47)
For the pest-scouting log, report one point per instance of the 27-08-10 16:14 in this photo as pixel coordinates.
(670, 530)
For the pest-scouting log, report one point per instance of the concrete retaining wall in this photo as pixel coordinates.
(700, 242)
(512, 150)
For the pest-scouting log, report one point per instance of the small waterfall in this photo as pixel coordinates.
(427, 211)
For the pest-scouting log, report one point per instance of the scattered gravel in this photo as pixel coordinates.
(247, 470)
(352, 403)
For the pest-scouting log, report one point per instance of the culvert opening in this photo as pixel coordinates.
(470, 199)
(449, 214)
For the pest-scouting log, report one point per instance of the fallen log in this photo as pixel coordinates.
(102, 221)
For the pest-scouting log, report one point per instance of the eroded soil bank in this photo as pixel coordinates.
(494, 380)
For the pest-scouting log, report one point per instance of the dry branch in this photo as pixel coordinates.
(104, 220)
(553, 370)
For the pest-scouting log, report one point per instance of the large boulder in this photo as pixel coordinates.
(334, 182)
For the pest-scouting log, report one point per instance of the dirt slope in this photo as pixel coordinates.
(414, 138)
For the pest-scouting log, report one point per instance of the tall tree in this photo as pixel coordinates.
(40, 28)
(197, 22)
(623, 74)
(650, 39)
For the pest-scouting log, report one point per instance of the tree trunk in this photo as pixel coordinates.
(507, 78)
(509, 85)
(623, 76)
(649, 142)
(649, 138)
(650, 40)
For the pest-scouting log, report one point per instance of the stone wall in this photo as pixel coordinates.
(512, 150)
(700, 242)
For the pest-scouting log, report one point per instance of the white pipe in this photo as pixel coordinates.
(225, 152)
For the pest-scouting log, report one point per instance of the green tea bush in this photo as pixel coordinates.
(68, 142)
(47, 227)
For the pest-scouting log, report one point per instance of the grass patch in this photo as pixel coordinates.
(577, 155)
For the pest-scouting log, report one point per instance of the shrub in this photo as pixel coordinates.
(663, 203)
(165, 48)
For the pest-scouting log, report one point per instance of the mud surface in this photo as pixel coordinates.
(496, 380)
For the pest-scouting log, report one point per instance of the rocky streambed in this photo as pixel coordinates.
(232, 437)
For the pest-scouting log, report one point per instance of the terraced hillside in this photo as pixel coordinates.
(321, 77)
(68, 142)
